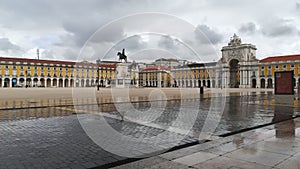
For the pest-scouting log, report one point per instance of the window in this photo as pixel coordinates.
(262, 71)
(269, 71)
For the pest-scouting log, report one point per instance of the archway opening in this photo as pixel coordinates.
(234, 79)
(48, 82)
(22, 82)
(66, 83)
(270, 83)
(42, 82)
(60, 83)
(14, 82)
(262, 83)
(208, 83)
(253, 83)
(6, 82)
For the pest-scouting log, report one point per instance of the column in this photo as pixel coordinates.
(39, 82)
(159, 79)
(63, 83)
(51, 82)
(10, 82)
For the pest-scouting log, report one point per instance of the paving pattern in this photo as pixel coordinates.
(58, 142)
(46, 134)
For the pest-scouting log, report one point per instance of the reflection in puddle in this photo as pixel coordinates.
(241, 111)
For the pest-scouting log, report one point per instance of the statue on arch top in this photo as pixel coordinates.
(235, 41)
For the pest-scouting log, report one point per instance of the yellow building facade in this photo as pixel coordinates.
(268, 66)
(20, 72)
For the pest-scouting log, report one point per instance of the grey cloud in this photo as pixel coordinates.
(297, 6)
(248, 28)
(206, 35)
(47, 54)
(279, 27)
(132, 43)
(7, 46)
(166, 42)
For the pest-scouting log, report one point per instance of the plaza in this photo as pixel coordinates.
(43, 130)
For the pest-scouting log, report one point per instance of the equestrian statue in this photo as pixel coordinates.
(122, 56)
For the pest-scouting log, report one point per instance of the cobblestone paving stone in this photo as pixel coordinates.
(60, 142)
(57, 142)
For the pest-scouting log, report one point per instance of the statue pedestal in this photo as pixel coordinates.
(122, 77)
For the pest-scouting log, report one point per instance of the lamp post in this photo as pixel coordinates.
(98, 65)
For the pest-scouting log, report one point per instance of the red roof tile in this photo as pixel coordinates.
(155, 68)
(281, 58)
(7, 59)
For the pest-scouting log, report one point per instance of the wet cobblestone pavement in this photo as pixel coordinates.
(52, 137)
(57, 142)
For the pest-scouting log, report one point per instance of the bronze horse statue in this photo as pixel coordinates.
(122, 56)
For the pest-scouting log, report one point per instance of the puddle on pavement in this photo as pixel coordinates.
(240, 112)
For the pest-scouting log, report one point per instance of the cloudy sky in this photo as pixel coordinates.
(149, 29)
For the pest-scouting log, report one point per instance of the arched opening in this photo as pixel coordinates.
(28, 82)
(72, 83)
(87, 83)
(66, 83)
(14, 82)
(42, 81)
(253, 83)
(262, 83)
(77, 83)
(82, 83)
(22, 82)
(204, 83)
(102, 83)
(48, 82)
(199, 83)
(270, 83)
(60, 83)
(234, 79)
(6, 82)
(92, 82)
(54, 82)
(0, 82)
(35, 82)
(208, 83)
